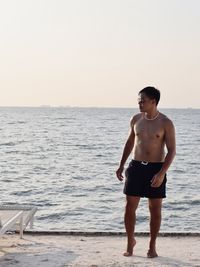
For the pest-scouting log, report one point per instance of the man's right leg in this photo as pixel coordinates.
(129, 220)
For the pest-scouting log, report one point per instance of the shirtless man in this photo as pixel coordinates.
(150, 132)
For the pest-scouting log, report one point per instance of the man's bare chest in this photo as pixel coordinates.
(150, 130)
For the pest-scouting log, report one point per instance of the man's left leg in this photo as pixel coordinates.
(155, 206)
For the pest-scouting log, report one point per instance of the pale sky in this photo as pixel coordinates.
(99, 52)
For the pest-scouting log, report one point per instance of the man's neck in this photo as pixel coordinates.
(151, 115)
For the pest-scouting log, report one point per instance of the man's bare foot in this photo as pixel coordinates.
(152, 253)
(130, 247)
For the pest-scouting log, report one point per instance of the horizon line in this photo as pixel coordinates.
(103, 107)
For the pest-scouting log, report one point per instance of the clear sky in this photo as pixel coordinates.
(99, 52)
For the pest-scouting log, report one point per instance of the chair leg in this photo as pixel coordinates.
(21, 227)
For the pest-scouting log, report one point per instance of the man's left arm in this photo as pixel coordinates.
(170, 142)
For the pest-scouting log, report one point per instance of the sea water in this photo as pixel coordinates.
(63, 161)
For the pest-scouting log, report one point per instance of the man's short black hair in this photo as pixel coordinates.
(152, 93)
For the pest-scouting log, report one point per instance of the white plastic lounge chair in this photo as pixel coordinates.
(16, 218)
(11, 221)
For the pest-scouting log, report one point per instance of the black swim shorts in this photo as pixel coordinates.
(138, 180)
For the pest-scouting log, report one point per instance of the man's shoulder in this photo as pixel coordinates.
(136, 117)
(166, 120)
(164, 117)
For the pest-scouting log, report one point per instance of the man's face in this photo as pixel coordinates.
(145, 103)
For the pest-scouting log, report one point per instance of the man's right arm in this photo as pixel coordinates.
(127, 151)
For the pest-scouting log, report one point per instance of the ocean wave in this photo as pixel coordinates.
(22, 193)
(8, 144)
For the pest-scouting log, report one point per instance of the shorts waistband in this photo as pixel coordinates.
(146, 162)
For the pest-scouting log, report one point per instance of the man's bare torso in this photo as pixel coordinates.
(149, 140)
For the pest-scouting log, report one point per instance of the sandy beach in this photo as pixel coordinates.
(89, 250)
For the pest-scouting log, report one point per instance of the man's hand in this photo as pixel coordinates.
(119, 173)
(157, 180)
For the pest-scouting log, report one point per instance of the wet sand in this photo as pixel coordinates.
(39, 249)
